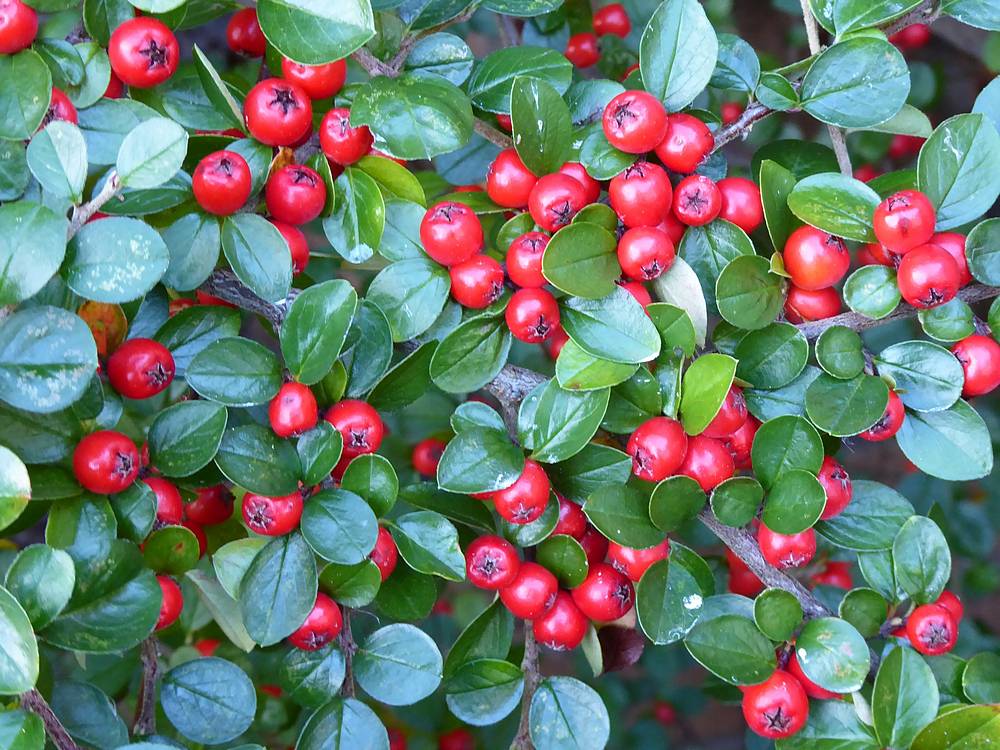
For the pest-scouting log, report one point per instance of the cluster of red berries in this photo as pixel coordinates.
(583, 49)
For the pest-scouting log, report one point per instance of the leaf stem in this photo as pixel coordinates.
(34, 702)
(145, 716)
(349, 647)
(85, 211)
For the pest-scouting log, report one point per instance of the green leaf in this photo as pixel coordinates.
(313, 333)
(668, 601)
(191, 330)
(254, 457)
(566, 714)
(115, 260)
(563, 556)
(732, 648)
(749, 296)
(483, 692)
(258, 255)
(613, 327)
(471, 355)
(871, 520)
(21, 730)
(737, 67)
(555, 424)
(25, 100)
(602, 160)
(957, 168)
(675, 501)
(57, 157)
(490, 84)
(677, 53)
(839, 352)
(171, 549)
(355, 227)
(235, 372)
(832, 724)
(776, 92)
(706, 383)
(979, 678)
(15, 487)
(776, 184)
(208, 700)
(856, 83)
(952, 444)
(980, 250)
(846, 407)
(777, 613)
(279, 589)
(351, 585)
(88, 715)
(679, 286)
(576, 370)
(412, 294)
(407, 381)
(151, 153)
(865, 609)
(47, 358)
(186, 436)
(622, 515)
(398, 665)
(833, 654)
(589, 469)
(921, 559)
(318, 32)
(927, 376)
(773, 356)
(441, 54)
(905, 698)
(834, 203)
(343, 723)
(368, 350)
(193, 242)
(339, 526)
(232, 560)
(429, 543)
(373, 478)
(580, 259)
(541, 125)
(311, 677)
(795, 502)
(394, 180)
(41, 578)
(872, 291)
(215, 88)
(735, 501)
(479, 460)
(709, 249)
(417, 117)
(783, 444)
(968, 726)
(224, 609)
(14, 174)
(19, 659)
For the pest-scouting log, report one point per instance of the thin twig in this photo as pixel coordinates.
(349, 647)
(927, 13)
(491, 134)
(145, 713)
(741, 128)
(84, 212)
(34, 702)
(529, 666)
(224, 285)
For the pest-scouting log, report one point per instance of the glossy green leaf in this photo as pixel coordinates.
(541, 125)
(834, 203)
(777, 613)
(921, 559)
(905, 698)
(706, 384)
(355, 227)
(411, 293)
(846, 407)
(254, 457)
(471, 355)
(185, 437)
(773, 356)
(622, 515)
(833, 654)
(563, 556)
(749, 296)
(339, 526)
(483, 692)
(732, 648)
(952, 444)
(839, 351)
(555, 424)
(209, 701)
(794, 503)
(278, 590)
(258, 255)
(491, 82)
(871, 520)
(783, 444)
(398, 665)
(315, 328)
(479, 460)
(927, 376)
(872, 291)
(311, 677)
(678, 53)
(235, 372)
(312, 33)
(429, 543)
(566, 714)
(613, 327)
(25, 100)
(580, 259)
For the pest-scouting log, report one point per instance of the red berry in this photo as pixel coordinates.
(686, 144)
(532, 315)
(595, 545)
(298, 247)
(928, 277)
(889, 423)
(555, 200)
(451, 233)
(579, 173)
(60, 108)
(605, 594)
(295, 194)
(427, 455)
(777, 707)
(815, 259)
(556, 342)
(641, 195)
(952, 603)
(697, 200)
(221, 182)
(731, 416)
(572, 520)
(525, 500)
(980, 360)
(384, 554)
(612, 19)
(169, 505)
(207, 646)
(741, 203)
(318, 81)
(803, 305)
(140, 368)
(744, 583)
(524, 259)
(143, 52)
(359, 424)
(645, 252)
(212, 505)
(531, 592)
(508, 181)
(504, 122)
(740, 442)
(673, 227)
(786, 550)
(911, 37)
(491, 562)
(293, 410)
(243, 34)
(954, 243)
(903, 147)
(563, 625)
(731, 112)
(835, 573)
(708, 462)
(272, 516)
(340, 142)
(457, 739)
(582, 50)
(635, 122)
(321, 626)
(477, 282)
(171, 604)
(904, 221)
(105, 462)
(812, 689)
(657, 448)
(199, 535)
(638, 291)
(664, 712)
(18, 26)
(634, 562)
(932, 629)
(837, 485)
(115, 88)
(277, 112)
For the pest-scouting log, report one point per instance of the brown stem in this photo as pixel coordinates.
(145, 713)
(491, 134)
(349, 647)
(83, 213)
(927, 13)
(529, 666)
(741, 128)
(224, 285)
(34, 702)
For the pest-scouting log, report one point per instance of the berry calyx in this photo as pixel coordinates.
(928, 276)
(645, 252)
(105, 462)
(657, 448)
(491, 562)
(563, 626)
(786, 550)
(526, 499)
(532, 315)
(293, 410)
(141, 368)
(697, 200)
(815, 259)
(889, 423)
(477, 282)
(143, 52)
(222, 182)
(635, 122)
(605, 594)
(531, 593)
(321, 626)
(295, 194)
(272, 516)
(451, 233)
(777, 707)
(932, 630)
(904, 220)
